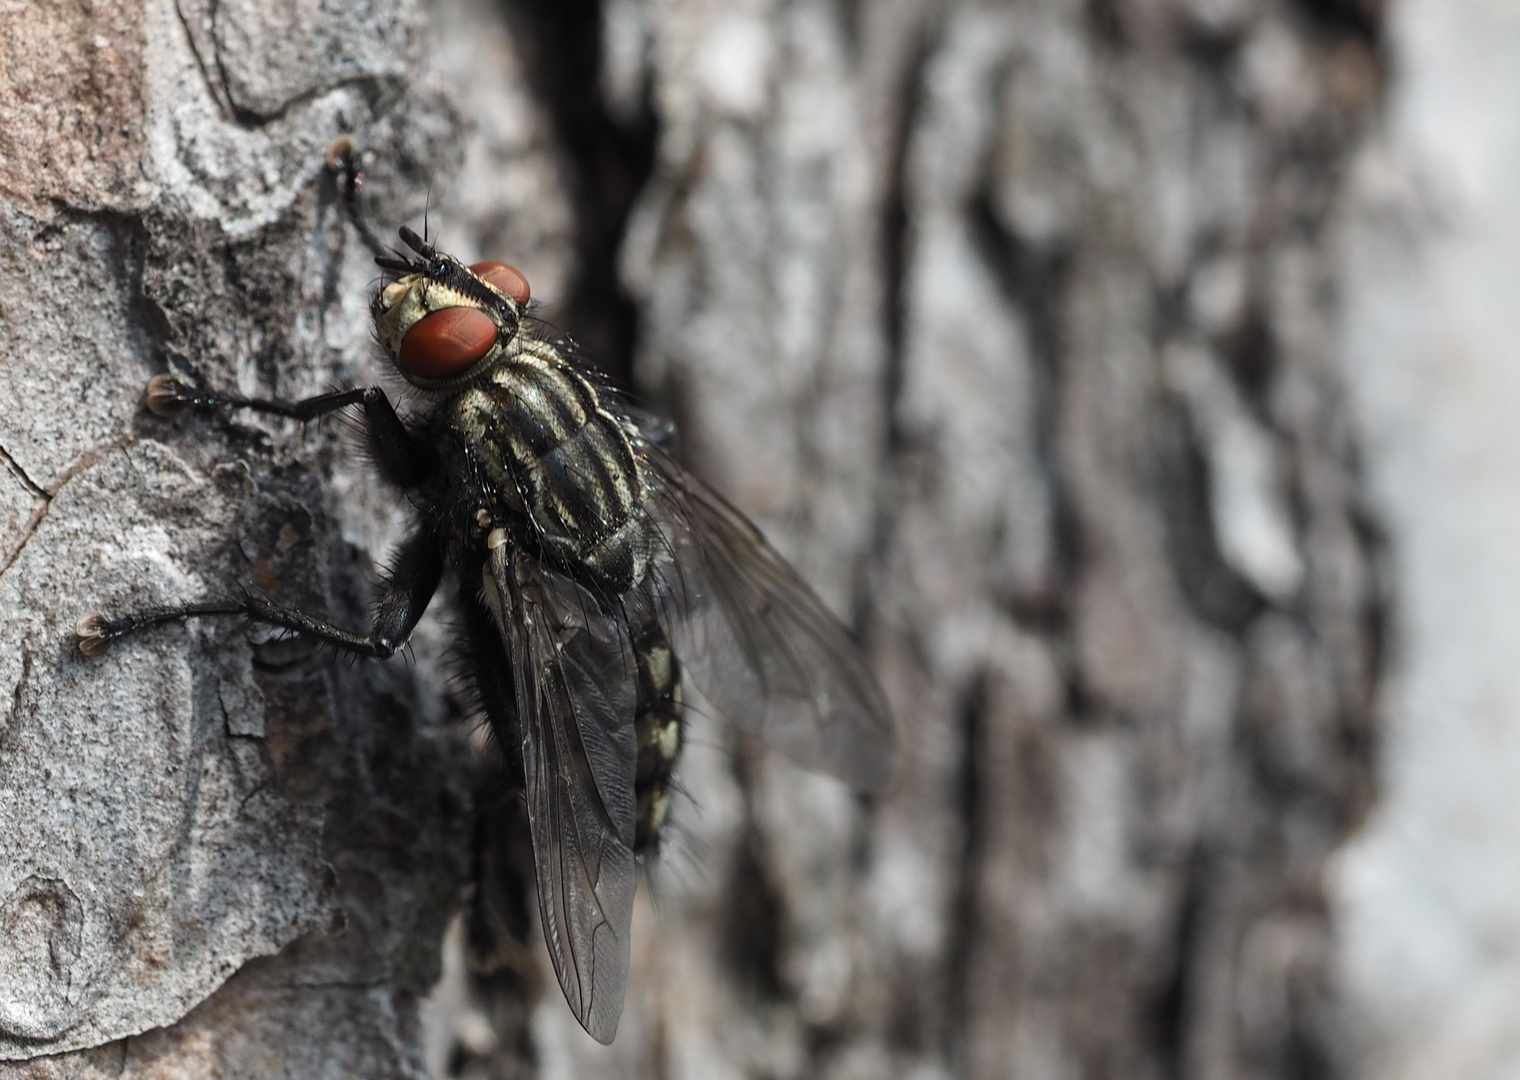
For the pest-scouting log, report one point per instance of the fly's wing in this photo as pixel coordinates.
(575, 685)
(756, 640)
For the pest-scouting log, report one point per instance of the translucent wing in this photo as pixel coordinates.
(575, 685)
(756, 640)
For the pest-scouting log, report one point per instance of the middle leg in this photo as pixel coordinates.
(408, 589)
(403, 459)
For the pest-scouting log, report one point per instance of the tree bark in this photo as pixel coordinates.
(1012, 324)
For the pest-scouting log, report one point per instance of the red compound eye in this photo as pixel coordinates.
(446, 342)
(509, 279)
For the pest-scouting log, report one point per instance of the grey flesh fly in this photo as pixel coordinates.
(598, 577)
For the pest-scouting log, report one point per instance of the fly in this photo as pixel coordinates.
(600, 577)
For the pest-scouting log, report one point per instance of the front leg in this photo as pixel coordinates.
(410, 585)
(403, 459)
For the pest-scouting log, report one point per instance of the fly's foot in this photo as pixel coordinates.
(167, 396)
(95, 632)
(343, 155)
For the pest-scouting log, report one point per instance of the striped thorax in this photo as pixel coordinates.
(532, 441)
(526, 441)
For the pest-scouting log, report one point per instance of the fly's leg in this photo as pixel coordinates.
(401, 457)
(168, 397)
(343, 160)
(410, 585)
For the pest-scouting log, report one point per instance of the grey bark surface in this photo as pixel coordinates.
(1010, 323)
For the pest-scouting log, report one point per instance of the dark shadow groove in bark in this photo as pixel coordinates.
(1214, 49)
(964, 903)
(14, 467)
(1214, 590)
(1361, 19)
(607, 162)
(1036, 281)
(1170, 1014)
(751, 937)
(1251, 357)
(1106, 24)
(895, 219)
(129, 253)
(1360, 731)
(755, 915)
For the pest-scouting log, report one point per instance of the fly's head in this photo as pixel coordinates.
(442, 322)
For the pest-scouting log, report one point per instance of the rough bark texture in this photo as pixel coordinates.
(1011, 324)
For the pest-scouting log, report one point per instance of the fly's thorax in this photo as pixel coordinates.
(533, 447)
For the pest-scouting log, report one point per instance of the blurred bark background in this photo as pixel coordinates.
(1013, 324)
